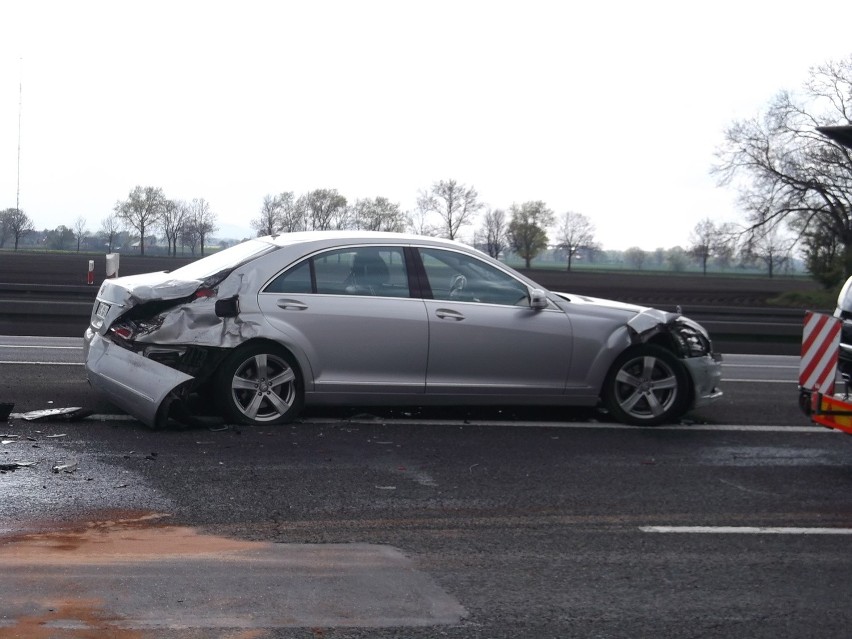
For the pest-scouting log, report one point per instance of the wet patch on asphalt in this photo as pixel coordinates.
(133, 573)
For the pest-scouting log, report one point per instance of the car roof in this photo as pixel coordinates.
(298, 237)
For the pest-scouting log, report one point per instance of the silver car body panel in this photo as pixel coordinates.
(383, 348)
(390, 350)
(706, 375)
(136, 384)
(533, 355)
(642, 323)
(844, 299)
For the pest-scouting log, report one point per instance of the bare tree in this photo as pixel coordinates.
(677, 258)
(527, 232)
(16, 224)
(291, 213)
(172, 222)
(189, 236)
(141, 211)
(110, 228)
(79, 230)
(269, 220)
(376, 214)
(707, 240)
(785, 169)
(456, 204)
(702, 239)
(5, 230)
(61, 238)
(417, 222)
(576, 231)
(635, 256)
(323, 209)
(771, 247)
(492, 234)
(202, 219)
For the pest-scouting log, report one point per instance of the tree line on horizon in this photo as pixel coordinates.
(794, 185)
(526, 231)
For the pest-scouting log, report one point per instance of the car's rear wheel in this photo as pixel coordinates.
(646, 386)
(260, 384)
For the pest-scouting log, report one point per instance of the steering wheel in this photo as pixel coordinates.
(457, 285)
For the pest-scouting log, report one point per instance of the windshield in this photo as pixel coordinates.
(223, 260)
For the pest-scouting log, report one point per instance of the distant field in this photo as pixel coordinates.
(642, 288)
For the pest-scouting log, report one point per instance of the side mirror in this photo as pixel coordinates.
(538, 299)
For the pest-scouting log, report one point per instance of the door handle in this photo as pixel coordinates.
(293, 305)
(446, 313)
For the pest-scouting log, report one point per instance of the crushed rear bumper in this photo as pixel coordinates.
(139, 385)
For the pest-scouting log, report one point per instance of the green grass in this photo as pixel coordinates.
(825, 299)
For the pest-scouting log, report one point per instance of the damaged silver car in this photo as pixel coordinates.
(272, 324)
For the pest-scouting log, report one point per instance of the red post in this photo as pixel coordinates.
(91, 277)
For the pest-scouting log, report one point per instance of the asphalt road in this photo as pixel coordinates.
(410, 523)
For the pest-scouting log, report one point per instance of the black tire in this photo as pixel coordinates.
(805, 402)
(260, 385)
(647, 386)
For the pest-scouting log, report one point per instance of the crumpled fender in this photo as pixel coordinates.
(650, 322)
(195, 322)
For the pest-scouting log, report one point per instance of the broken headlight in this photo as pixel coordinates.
(691, 339)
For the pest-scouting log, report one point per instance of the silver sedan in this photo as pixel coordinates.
(272, 324)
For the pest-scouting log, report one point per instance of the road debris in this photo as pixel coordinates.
(13, 466)
(70, 414)
(66, 467)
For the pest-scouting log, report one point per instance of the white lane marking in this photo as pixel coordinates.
(745, 530)
(759, 381)
(761, 366)
(13, 361)
(532, 424)
(569, 425)
(48, 348)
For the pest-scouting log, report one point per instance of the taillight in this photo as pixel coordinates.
(205, 292)
(122, 331)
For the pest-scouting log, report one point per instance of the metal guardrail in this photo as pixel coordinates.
(64, 310)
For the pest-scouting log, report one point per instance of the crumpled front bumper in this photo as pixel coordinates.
(132, 382)
(706, 373)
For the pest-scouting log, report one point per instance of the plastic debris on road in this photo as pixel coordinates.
(66, 414)
(65, 467)
(15, 465)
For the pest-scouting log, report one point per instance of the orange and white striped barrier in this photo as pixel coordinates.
(820, 344)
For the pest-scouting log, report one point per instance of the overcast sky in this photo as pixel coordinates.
(610, 109)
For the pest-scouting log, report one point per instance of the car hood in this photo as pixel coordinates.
(641, 319)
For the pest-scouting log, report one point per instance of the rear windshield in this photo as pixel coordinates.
(225, 259)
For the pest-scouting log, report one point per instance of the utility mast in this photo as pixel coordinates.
(20, 104)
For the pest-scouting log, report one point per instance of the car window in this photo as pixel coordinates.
(458, 277)
(376, 271)
(225, 259)
(294, 280)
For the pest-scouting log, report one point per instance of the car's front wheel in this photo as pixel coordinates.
(646, 386)
(260, 385)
